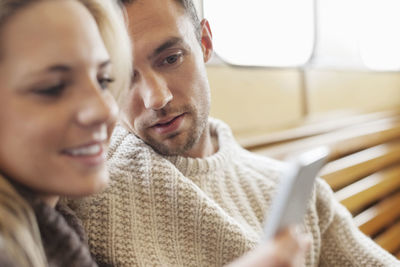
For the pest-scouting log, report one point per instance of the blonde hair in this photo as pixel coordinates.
(19, 233)
(110, 20)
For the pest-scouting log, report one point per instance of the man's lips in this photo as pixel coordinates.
(165, 121)
(168, 125)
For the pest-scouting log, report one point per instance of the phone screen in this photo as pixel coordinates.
(290, 202)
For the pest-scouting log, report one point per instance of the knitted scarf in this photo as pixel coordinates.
(61, 233)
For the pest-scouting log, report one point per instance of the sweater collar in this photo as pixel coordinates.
(201, 166)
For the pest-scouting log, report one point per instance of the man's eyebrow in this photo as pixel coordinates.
(167, 44)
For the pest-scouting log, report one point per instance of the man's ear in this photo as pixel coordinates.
(206, 40)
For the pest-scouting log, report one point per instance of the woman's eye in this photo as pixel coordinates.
(51, 91)
(105, 82)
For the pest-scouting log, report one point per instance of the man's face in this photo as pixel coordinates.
(168, 103)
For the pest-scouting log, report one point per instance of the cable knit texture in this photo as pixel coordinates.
(177, 211)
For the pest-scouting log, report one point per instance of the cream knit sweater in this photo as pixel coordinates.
(176, 211)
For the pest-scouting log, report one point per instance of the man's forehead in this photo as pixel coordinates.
(155, 6)
(128, 2)
(158, 18)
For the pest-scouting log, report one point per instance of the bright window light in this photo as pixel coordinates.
(262, 32)
(337, 43)
(379, 39)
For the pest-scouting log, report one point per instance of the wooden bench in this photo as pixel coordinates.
(363, 168)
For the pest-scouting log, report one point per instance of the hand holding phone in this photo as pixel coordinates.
(290, 202)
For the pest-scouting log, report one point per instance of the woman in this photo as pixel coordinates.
(58, 60)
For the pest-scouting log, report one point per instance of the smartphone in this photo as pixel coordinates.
(294, 191)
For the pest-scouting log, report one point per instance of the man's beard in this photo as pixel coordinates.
(190, 140)
(190, 137)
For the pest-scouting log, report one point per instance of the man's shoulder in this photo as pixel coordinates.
(130, 154)
(125, 144)
(247, 160)
(261, 161)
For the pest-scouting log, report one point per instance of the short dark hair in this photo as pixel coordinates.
(190, 10)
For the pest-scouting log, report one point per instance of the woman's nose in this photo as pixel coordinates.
(99, 107)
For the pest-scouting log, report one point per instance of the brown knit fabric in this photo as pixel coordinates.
(63, 238)
(62, 235)
(20, 242)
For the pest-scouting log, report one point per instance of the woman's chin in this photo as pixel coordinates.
(90, 185)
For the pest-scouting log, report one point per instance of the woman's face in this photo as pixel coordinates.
(56, 114)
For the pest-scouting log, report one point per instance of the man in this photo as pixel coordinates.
(183, 192)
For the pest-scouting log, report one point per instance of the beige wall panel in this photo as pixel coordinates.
(349, 90)
(253, 100)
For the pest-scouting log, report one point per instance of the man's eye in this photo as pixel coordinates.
(51, 91)
(173, 59)
(105, 82)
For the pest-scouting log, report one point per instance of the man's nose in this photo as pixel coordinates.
(155, 92)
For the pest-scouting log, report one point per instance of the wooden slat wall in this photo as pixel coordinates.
(364, 167)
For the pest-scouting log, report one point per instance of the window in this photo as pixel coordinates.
(358, 34)
(262, 32)
(380, 34)
(337, 30)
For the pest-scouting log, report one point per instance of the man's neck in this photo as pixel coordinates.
(205, 147)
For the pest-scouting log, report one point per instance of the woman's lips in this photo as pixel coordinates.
(170, 126)
(90, 155)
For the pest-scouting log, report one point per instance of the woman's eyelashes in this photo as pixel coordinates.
(57, 89)
(52, 90)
